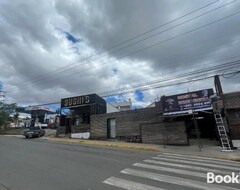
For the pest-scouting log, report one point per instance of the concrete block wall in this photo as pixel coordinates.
(234, 123)
(176, 133)
(153, 133)
(127, 122)
(164, 133)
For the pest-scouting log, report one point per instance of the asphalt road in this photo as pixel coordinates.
(35, 164)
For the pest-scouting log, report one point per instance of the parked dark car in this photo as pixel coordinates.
(36, 131)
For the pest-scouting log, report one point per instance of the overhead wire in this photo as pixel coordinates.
(153, 45)
(231, 74)
(132, 45)
(125, 41)
(235, 13)
(203, 77)
(154, 86)
(178, 77)
(148, 47)
(163, 76)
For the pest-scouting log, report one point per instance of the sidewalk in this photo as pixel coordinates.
(210, 148)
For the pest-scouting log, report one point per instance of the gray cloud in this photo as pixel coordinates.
(33, 43)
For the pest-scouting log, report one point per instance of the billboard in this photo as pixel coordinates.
(182, 103)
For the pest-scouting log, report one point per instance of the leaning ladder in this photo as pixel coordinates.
(222, 133)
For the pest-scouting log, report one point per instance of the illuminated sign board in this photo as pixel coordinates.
(182, 103)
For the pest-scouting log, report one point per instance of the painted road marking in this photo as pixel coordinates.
(199, 164)
(200, 160)
(200, 157)
(130, 185)
(186, 166)
(173, 170)
(175, 180)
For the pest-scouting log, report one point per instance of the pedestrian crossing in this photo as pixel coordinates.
(174, 171)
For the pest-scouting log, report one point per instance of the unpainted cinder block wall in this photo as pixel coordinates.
(164, 133)
(127, 122)
(145, 122)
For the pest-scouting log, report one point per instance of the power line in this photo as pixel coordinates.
(154, 86)
(229, 64)
(228, 75)
(163, 86)
(153, 45)
(166, 74)
(169, 79)
(44, 76)
(130, 39)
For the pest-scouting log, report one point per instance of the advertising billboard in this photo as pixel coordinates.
(182, 103)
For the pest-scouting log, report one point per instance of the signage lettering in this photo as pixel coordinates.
(75, 101)
(187, 101)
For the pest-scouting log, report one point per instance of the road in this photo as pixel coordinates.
(35, 164)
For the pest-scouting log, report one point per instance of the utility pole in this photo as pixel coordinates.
(200, 146)
(218, 85)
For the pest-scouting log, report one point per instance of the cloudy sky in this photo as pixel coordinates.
(56, 48)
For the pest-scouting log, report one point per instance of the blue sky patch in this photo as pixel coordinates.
(139, 96)
(72, 38)
(111, 99)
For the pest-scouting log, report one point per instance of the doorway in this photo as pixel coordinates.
(111, 128)
(205, 125)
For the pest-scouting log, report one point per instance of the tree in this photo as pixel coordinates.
(5, 111)
(15, 117)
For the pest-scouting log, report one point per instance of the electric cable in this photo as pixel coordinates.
(153, 45)
(203, 77)
(143, 39)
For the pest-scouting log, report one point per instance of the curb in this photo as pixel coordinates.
(119, 146)
(132, 147)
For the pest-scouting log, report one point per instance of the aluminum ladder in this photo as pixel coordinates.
(222, 132)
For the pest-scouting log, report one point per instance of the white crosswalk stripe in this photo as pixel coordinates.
(199, 157)
(175, 180)
(201, 160)
(197, 163)
(130, 185)
(174, 170)
(186, 166)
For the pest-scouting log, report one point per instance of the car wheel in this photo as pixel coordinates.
(26, 137)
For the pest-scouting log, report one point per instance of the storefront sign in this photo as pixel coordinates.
(197, 100)
(76, 101)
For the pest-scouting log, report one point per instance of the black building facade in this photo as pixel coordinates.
(81, 108)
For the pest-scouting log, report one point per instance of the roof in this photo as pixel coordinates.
(38, 108)
(231, 100)
(122, 103)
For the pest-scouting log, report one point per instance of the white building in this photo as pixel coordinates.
(123, 106)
